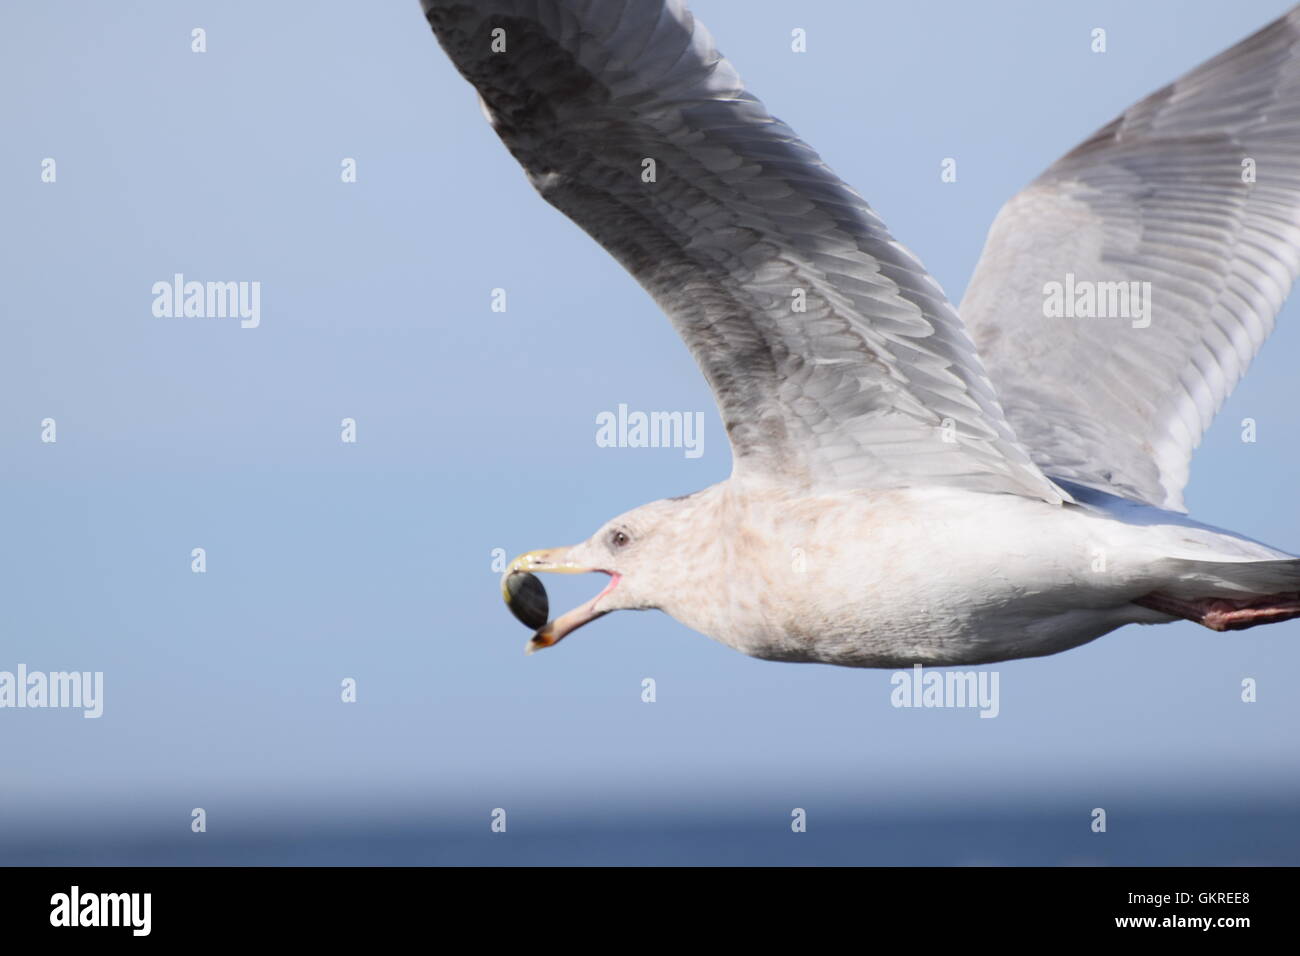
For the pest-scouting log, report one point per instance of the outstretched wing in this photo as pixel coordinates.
(1196, 190)
(835, 359)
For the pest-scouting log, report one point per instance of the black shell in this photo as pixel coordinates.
(526, 598)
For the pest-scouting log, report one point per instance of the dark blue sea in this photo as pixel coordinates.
(1212, 836)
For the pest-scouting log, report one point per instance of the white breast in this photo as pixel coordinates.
(894, 577)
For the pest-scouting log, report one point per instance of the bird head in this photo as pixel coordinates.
(638, 552)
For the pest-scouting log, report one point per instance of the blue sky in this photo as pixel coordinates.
(373, 560)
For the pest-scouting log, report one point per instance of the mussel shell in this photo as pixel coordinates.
(526, 598)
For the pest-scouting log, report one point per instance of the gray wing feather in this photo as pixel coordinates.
(1160, 195)
(875, 383)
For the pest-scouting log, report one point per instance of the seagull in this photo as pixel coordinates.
(913, 482)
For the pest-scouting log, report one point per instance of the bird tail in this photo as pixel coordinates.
(1235, 579)
(1218, 578)
(1230, 595)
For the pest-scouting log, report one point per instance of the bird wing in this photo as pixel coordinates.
(835, 359)
(1195, 190)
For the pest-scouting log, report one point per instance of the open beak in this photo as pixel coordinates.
(555, 561)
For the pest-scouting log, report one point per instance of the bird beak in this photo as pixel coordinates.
(557, 561)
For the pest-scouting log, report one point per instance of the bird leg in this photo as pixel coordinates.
(1220, 614)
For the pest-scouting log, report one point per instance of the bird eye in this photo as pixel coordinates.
(618, 538)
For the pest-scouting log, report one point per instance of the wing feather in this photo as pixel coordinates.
(1161, 195)
(875, 382)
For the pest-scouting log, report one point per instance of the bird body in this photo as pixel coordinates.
(920, 575)
(913, 482)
